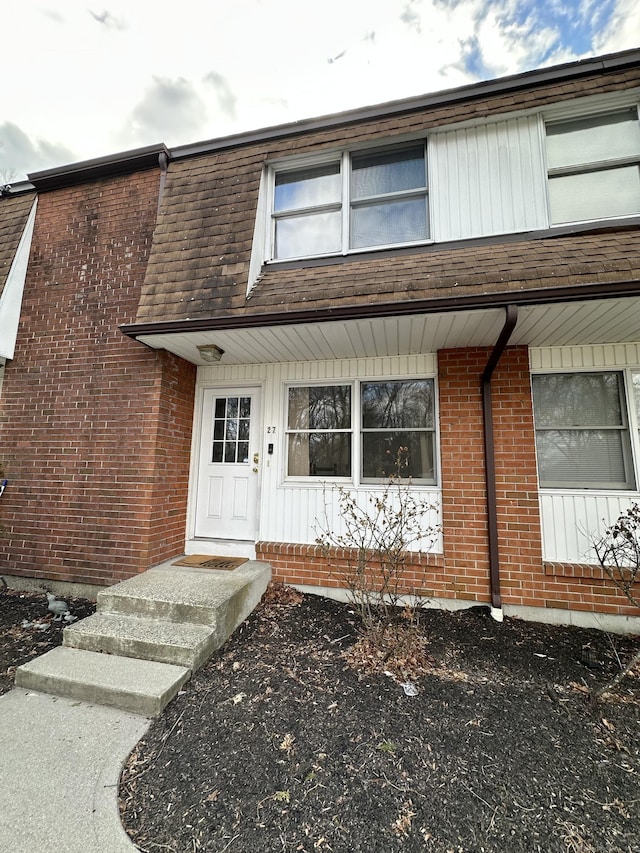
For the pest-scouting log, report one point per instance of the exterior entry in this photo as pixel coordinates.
(229, 464)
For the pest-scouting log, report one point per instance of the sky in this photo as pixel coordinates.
(84, 80)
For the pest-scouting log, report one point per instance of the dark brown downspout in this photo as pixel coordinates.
(490, 460)
(163, 162)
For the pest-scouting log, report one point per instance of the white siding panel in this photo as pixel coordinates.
(571, 522)
(597, 356)
(488, 179)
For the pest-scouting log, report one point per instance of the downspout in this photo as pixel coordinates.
(490, 461)
(163, 162)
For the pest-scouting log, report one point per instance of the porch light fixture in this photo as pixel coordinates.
(210, 353)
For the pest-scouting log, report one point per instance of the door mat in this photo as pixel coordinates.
(206, 561)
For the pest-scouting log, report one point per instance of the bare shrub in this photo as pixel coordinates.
(618, 553)
(380, 539)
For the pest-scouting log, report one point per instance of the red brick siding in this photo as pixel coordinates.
(462, 571)
(94, 428)
(308, 564)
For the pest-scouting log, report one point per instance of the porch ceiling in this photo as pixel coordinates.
(565, 324)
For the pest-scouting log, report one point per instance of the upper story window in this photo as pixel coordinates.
(594, 167)
(356, 201)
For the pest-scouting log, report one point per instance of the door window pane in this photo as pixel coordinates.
(231, 426)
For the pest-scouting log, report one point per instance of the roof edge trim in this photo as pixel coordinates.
(136, 160)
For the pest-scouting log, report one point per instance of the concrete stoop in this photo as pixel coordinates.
(149, 634)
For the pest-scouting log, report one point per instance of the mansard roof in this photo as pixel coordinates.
(199, 262)
(14, 212)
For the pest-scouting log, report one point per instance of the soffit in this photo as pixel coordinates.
(576, 323)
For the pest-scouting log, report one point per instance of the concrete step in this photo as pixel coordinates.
(138, 686)
(182, 644)
(219, 599)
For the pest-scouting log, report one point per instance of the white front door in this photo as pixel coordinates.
(228, 477)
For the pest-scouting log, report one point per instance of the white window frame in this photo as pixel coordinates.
(630, 427)
(588, 167)
(344, 204)
(356, 430)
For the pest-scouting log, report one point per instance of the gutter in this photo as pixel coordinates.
(511, 319)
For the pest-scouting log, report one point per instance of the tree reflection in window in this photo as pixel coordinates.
(319, 431)
(398, 413)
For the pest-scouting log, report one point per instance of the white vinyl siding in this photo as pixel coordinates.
(488, 179)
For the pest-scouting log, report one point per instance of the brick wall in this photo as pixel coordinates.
(94, 428)
(462, 571)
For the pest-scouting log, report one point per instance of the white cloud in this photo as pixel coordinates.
(102, 78)
(623, 30)
(20, 154)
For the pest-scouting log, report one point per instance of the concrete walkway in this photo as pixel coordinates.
(60, 762)
(77, 711)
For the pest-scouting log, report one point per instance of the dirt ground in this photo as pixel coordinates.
(279, 744)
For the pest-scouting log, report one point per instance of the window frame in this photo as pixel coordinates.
(587, 167)
(345, 204)
(630, 444)
(356, 431)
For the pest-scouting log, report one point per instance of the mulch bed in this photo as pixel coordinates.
(279, 744)
(27, 629)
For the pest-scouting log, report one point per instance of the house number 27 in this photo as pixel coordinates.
(271, 430)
